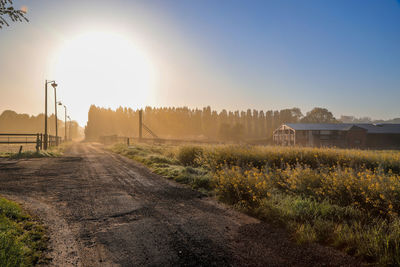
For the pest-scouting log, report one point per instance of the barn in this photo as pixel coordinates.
(344, 135)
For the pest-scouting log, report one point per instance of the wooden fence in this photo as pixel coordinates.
(113, 139)
(29, 138)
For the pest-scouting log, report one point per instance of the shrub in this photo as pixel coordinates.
(184, 178)
(187, 155)
(155, 159)
(203, 182)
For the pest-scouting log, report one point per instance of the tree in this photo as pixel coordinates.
(7, 10)
(290, 115)
(229, 132)
(296, 114)
(13, 122)
(319, 115)
(352, 119)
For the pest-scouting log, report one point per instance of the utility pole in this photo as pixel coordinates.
(69, 128)
(140, 124)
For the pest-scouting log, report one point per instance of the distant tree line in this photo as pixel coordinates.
(185, 123)
(352, 119)
(12, 122)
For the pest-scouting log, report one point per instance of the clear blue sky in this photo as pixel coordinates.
(341, 54)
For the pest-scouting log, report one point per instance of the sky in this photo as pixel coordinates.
(343, 55)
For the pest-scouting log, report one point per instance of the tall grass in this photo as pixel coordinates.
(279, 157)
(352, 208)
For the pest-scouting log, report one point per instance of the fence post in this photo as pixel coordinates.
(37, 143)
(41, 141)
(127, 141)
(140, 124)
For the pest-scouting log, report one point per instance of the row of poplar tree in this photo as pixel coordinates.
(197, 124)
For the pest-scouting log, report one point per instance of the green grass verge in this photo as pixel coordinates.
(163, 161)
(22, 239)
(31, 154)
(50, 153)
(357, 233)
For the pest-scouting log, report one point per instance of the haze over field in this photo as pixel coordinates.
(199, 133)
(233, 55)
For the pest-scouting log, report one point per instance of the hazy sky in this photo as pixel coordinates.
(341, 54)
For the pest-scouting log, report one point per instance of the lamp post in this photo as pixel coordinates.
(65, 121)
(46, 137)
(69, 127)
(55, 111)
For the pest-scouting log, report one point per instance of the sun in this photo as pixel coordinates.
(105, 69)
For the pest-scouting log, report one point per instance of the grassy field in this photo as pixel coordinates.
(29, 151)
(14, 148)
(22, 240)
(348, 199)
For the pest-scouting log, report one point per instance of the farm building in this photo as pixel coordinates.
(345, 135)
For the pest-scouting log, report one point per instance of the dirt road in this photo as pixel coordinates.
(105, 210)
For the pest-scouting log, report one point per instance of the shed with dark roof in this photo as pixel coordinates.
(346, 135)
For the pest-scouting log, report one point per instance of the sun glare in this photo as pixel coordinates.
(105, 69)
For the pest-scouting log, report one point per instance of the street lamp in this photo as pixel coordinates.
(69, 128)
(65, 121)
(46, 137)
(55, 105)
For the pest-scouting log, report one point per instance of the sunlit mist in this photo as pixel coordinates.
(107, 68)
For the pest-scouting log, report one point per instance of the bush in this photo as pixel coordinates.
(203, 182)
(155, 159)
(184, 178)
(187, 155)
